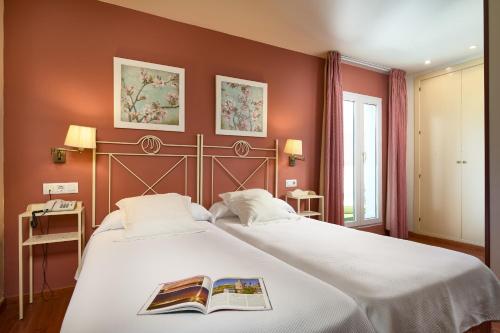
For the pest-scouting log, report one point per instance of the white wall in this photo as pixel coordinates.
(494, 126)
(410, 148)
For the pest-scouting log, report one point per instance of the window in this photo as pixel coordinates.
(362, 159)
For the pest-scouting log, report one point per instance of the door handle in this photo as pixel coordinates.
(459, 162)
(464, 162)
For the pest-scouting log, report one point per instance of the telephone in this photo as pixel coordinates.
(58, 205)
(51, 206)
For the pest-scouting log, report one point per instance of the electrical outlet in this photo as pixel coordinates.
(291, 183)
(60, 188)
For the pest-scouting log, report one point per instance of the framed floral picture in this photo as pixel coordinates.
(241, 107)
(148, 96)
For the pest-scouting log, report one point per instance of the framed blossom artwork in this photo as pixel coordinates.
(148, 96)
(241, 107)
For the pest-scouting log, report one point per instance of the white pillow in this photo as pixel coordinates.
(157, 228)
(220, 210)
(157, 214)
(112, 221)
(285, 205)
(116, 219)
(245, 194)
(259, 210)
(146, 207)
(200, 213)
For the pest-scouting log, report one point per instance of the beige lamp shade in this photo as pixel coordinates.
(293, 147)
(80, 137)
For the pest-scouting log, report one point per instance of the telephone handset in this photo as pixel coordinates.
(58, 205)
(51, 206)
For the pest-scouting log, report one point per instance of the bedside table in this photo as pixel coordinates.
(310, 195)
(32, 240)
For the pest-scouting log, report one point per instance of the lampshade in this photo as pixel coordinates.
(80, 137)
(293, 147)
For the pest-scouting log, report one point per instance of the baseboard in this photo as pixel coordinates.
(378, 228)
(438, 236)
(37, 296)
(446, 241)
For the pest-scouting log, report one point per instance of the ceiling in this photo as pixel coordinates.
(394, 33)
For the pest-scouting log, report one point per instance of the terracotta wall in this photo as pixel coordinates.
(59, 71)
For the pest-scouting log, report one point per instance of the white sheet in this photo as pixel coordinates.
(118, 276)
(402, 286)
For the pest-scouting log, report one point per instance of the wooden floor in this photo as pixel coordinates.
(41, 316)
(47, 316)
(473, 250)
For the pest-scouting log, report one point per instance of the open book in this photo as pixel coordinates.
(199, 293)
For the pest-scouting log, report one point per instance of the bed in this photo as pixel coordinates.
(119, 273)
(401, 286)
(117, 277)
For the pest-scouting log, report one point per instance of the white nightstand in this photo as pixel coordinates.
(78, 235)
(310, 195)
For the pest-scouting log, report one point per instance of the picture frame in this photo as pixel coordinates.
(148, 96)
(240, 107)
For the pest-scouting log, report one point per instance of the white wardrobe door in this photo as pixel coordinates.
(473, 155)
(439, 152)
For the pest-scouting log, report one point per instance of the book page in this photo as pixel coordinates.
(183, 295)
(239, 294)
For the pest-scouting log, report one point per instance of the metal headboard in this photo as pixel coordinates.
(238, 150)
(151, 147)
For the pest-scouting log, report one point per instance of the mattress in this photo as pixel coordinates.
(401, 286)
(118, 276)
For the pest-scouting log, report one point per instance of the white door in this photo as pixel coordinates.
(440, 173)
(473, 155)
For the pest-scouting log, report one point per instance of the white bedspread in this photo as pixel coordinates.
(402, 286)
(118, 276)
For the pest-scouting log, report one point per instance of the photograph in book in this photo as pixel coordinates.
(185, 291)
(237, 292)
(237, 286)
(200, 294)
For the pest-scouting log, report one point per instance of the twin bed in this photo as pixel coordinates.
(319, 277)
(400, 285)
(118, 275)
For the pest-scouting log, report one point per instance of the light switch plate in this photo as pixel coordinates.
(60, 188)
(291, 183)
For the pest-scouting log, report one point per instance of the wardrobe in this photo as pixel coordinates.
(450, 157)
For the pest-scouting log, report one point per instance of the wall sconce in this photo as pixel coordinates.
(80, 137)
(294, 149)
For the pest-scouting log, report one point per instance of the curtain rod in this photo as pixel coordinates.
(364, 63)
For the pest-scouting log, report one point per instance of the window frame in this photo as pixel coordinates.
(359, 101)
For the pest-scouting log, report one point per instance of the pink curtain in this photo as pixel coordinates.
(396, 155)
(333, 144)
